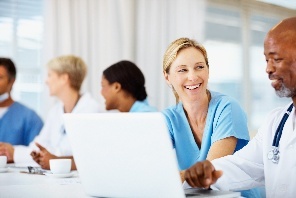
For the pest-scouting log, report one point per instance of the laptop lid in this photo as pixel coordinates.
(127, 155)
(124, 154)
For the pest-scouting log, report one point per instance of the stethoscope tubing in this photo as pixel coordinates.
(279, 131)
(274, 154)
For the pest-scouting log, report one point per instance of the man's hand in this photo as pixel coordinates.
(43, 157)
(7, 150)
(202, 174)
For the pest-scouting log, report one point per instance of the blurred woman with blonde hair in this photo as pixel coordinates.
(64, 80)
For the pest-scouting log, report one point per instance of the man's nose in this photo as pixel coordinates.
(269, 67)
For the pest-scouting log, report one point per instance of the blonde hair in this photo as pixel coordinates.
(74, 66)
(172, 52)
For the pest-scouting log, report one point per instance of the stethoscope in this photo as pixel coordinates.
(274, 154)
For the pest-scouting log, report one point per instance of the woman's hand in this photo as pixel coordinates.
(43, 157)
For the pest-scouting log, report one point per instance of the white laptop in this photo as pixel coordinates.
(127, 155)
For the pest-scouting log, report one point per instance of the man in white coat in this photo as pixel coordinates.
(270, 157)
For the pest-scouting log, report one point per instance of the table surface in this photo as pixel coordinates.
(13, 183)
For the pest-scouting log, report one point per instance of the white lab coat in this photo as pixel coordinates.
(52, 135)
(250, 166)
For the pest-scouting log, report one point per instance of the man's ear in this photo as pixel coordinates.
(11, 82)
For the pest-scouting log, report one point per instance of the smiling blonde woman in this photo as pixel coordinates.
(203, 124)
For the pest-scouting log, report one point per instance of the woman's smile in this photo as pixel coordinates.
(192, 87)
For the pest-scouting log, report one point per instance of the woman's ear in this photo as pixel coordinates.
(166, 76)
(65, 77)
(117, 86)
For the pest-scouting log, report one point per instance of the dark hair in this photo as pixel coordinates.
(129, 76)
(9, 66)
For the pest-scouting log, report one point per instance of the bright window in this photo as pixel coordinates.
(234, 37)
(21, 25)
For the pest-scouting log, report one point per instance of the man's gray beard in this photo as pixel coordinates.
(285, 92)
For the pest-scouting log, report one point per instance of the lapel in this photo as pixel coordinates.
(289, 135)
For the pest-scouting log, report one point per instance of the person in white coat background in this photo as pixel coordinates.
(269, 158)
(64, 79)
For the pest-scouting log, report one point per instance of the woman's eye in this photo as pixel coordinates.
(182, 70)
(200, 67)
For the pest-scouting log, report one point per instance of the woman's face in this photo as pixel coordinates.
(55, 82)
(188, 74)
(109, 91)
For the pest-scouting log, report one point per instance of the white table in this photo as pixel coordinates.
(16, 184)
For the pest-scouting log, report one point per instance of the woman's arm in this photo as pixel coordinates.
(219, 149)
(222, 148)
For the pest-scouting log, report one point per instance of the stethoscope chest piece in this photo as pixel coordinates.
(274, 155)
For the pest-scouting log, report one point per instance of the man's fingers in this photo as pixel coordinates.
(202, 174)
(190, 178)
(197, 175)
(216, 175)
(2, 151)
(206, 176)
(193, 174)
(3, 148)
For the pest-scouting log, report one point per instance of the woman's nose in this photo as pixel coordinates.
(192, 76)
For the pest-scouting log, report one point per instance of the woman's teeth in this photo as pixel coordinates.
(191, 87)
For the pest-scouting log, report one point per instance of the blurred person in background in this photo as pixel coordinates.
(18, 124)
(123, 87)
(64, 79)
